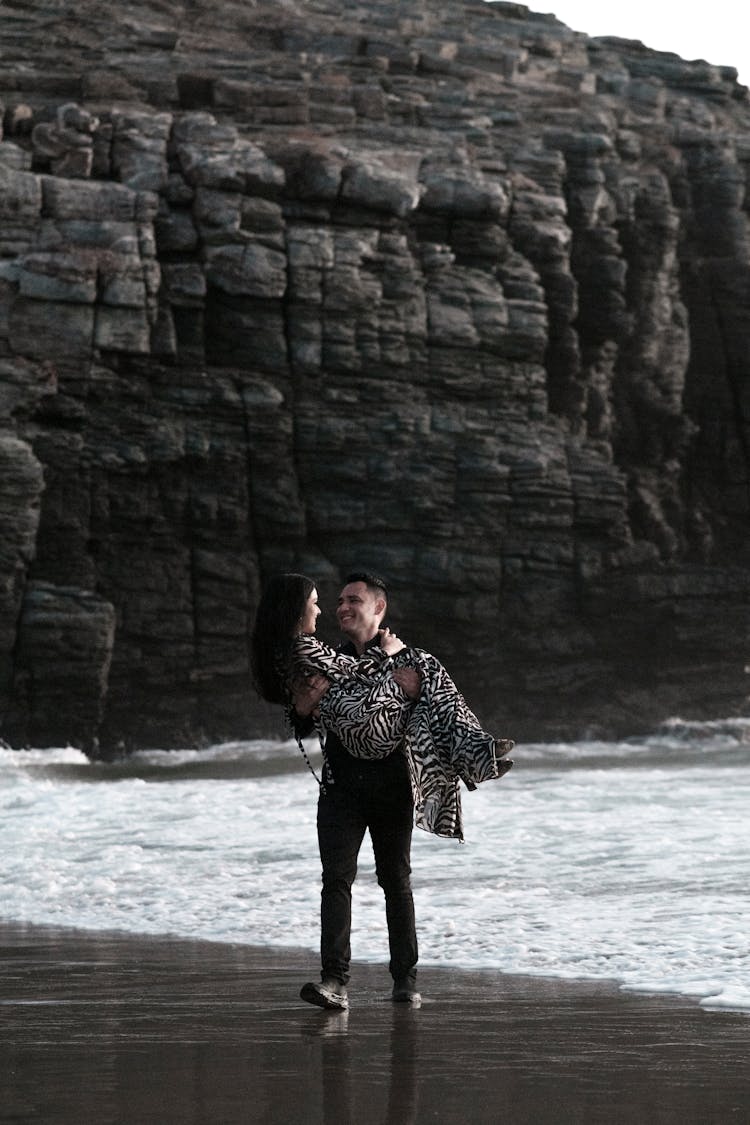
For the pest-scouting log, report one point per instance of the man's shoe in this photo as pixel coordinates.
(329, 993)
(405, 992)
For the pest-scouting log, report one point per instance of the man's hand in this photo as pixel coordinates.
(308, 693)
(409, 680)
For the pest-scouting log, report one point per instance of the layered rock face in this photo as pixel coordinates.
(446, 291)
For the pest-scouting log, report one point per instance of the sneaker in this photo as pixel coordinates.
(329, 993)
(405, 992)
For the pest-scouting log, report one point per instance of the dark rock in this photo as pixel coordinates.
(61, 667)
(456, 294)
(21, 485)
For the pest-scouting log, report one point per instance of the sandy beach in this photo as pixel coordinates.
(128, 1030)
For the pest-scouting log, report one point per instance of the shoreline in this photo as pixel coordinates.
(123, 1028)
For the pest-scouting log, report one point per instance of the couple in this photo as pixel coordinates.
(398, 738)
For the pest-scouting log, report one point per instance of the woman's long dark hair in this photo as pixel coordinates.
(281, 606)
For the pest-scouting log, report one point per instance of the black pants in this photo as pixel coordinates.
(377, 800)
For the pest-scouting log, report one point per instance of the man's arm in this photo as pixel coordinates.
(306, 696)
(409, 680)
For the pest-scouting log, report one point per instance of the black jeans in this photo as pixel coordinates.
(377, 799)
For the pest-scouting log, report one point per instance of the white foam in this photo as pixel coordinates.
(586, 861)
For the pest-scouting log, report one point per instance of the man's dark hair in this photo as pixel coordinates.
(373, 583)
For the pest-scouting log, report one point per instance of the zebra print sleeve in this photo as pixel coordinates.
(312, 656)
(364, 706)
(370, 719)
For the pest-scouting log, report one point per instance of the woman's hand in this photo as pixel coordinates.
(389, 642)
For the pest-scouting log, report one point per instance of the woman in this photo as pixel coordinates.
(366, 707)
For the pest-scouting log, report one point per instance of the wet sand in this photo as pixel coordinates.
(116, 1029)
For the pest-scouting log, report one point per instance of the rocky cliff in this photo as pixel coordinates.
(449, 291)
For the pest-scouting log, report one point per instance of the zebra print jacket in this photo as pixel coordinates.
(443, 739)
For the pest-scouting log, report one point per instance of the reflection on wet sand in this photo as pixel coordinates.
(118, 1030)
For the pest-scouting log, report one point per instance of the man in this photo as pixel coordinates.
(363, 795)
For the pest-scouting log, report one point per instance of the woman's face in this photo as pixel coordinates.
(310, 614)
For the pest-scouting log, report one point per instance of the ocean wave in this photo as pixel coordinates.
(253, 758)
(627, 860)
(675, 740)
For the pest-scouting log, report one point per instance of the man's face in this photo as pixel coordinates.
(359, 611)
